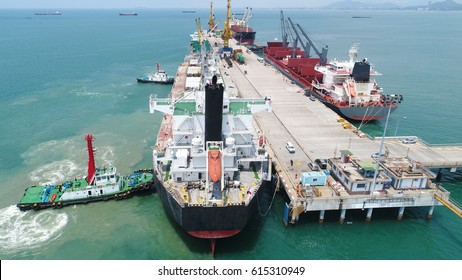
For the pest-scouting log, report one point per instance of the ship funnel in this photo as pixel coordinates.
(213, 111)
(361, 71)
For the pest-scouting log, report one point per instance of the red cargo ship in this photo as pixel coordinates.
(240, 29)
(347, 87)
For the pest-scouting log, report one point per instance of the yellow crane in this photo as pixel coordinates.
(199, 30)
(227, 31)
(211, 18)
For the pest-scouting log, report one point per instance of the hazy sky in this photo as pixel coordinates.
(61, 4)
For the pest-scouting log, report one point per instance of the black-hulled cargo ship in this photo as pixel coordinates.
(212, 173)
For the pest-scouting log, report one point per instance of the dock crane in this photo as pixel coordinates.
(284, 31)
(227, 30)
(288, 27)
(199, 30)
(211, 18)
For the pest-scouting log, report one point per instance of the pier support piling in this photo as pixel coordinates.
(430, 212)
(369, 215)
(439, 175)
(400, 214)
(342, 216)
(321, 216)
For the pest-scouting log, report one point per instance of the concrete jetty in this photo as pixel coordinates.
(317, 132)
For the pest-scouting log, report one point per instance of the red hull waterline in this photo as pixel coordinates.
(215, 234)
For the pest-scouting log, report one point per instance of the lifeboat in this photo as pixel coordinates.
(214, 165)
(351, 89)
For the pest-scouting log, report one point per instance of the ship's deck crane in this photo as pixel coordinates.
(247, 15)
(287, 27)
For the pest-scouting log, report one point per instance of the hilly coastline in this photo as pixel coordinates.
(447, 5)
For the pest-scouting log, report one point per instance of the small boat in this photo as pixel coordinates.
(160, 77)
(99, 185)
(57, 13)
(128, 14)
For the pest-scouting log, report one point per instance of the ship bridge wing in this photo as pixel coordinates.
(244, 105)
(164, 105)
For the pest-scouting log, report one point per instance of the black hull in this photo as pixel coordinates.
(244, 37)
(215, 222)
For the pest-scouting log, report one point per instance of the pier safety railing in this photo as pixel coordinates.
(443, 196)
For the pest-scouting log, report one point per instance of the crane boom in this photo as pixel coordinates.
(322, 55)
(307, 44)
(283, 30)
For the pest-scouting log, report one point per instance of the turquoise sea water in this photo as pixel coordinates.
(65, 76)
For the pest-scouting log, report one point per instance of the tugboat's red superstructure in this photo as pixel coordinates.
(91, 159)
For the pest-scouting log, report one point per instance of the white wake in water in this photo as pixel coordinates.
(55, 172)
(28, 230)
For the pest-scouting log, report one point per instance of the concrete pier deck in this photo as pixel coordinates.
(316, 133)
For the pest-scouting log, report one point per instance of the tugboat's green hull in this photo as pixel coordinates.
(36, 197)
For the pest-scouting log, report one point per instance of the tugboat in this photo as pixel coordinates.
(100, 184)
(212, 173)
(160, 77)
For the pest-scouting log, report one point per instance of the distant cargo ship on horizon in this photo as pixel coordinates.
(57, 13)
(128, 14)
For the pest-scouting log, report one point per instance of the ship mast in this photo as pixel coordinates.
(211, 18)
(91, 159)
(227, 31)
